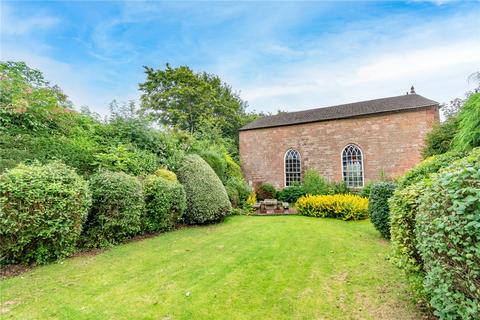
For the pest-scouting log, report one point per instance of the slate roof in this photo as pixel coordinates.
(349, 110)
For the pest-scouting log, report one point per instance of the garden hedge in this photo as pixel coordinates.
(166, 174)
(42, 209)
(339, 206)
(117, 206)
(266, 191)
(378, 209)
(207, 199)
(217, 163)
(448, 239)
(291, 194)
(238, 190)
(165, 203)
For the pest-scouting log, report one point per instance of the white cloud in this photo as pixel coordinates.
(13, 25)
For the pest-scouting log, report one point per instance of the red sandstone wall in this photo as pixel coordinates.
(390, 142)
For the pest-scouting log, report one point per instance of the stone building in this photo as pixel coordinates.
(355, 142)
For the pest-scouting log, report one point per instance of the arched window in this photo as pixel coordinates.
(352, 166)
(292, 167)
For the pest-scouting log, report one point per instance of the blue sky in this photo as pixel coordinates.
(278, 55)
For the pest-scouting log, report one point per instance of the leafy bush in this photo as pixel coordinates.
(233, 170)
(339, 206)
(117, 206)
(365, 192)
(217, 163)
(468, 135)
(238, 191)
(439, 140)
(291, 194)
(378, 209)
(165, 203)
(266, 191)
(250, 202)
(207, 199)
(448, 238)
(339, 188)
(42, 210)
(166, 174)
(127, 159)
(314, 183)
(403, 210)
(427, 167)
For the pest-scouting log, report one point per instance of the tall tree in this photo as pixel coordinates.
(195, 102)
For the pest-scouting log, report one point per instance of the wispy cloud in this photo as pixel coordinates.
(13, 24)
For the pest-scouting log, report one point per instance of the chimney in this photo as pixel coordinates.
(412, 90)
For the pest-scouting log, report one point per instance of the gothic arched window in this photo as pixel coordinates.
(292, 167)
(352, 166)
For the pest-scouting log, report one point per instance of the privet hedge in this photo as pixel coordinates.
(165, 203)
(378, 206)
(116, 208)
(448, 239)
(207, 199)
(42, 209)
(339, 206)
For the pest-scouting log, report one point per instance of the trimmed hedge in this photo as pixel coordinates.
(266, 191)
(448, 239)
(207, 199)
(378, 206)
(42, 209)
(165, 203)
(339, 206)
(117, 207)
(291, 194)
(166, 174)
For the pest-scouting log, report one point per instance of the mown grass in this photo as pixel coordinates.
(285, 267)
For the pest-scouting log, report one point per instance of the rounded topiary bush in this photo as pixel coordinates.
(166, 174)
(448, 239)
(207, 199)
(117, 205)
(42, 210)
(165, 203)
(378, 209)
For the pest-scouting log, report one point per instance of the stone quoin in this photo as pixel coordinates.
(356, 142)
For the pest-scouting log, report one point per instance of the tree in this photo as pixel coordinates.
(183, 99)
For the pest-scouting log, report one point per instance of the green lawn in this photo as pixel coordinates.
(284, 267)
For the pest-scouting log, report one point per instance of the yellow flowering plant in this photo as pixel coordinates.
(338, 206)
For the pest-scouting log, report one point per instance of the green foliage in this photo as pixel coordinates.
(468, 135)
(448, 236)
(165, 203)
(42, 209)
(365, 192)
(266, 191)
(291, 194)
(166, 174)
(232, 168)
(217, 163)
(403, 210)
(117, 206)
(339, 206)
(238, 191)
(207, 199)
(427, 167)
(439, 140)
(339, 188)
(190, 101)
(378, 209)
(314, 183)
(127, 159)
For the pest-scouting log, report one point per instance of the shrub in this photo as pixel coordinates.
(314, 183)
(468, 135)
(403, 210)
(291, 194)
(42, 209)
(266, 191)
(217, 163)
(340, 206)
(127, 158)
(116, 209)
(365, 192)
(251, 200)
(378, 206)
(165, 203)
(339, 188)
(233, 170)
(427, 167)
(166, 174)
(448, 238)
(207, 199)
(239, 190)
(439, 139)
